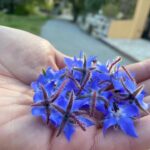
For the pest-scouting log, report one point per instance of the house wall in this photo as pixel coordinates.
(131, 29)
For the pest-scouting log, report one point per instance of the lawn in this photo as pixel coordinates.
(28, 23)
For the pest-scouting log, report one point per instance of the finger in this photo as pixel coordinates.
(147, 99)
(146, 84)
(13, 85)
(117, 140)
(141, 70)
(59, 58)
(52, 64)
(14, 99)
(24, 57)
(4, 71)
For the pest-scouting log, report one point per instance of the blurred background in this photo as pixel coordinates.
(105, 28)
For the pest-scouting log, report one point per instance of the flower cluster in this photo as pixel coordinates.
(87, 92)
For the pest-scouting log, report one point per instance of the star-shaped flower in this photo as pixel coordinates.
(121, 115)
(128, 90)
(42, 106)
(68, 97)
(66, 119)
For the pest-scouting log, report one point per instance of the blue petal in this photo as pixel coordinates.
(42, 79)
(78, 104)
(50, 73)
(86, 121)
(56, 118)
(129, 110)
(49, 88)
(79, 63)
(103, 68)
(71, 85)
(127, 126)
(77, 75)
(100, 106)
(81, 54)
(95, 74)
(35, 86)
(104, 76)
(108, 122)
(38, 96)
(90, 60)
(130, 85)
(117, 84)
(62, 102)
(38, 111)
(106, 94)
(69, 62)
(140, 98)
(68, 131)
(59, 73)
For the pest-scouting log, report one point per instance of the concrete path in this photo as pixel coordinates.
(69, 39)
(138, 49)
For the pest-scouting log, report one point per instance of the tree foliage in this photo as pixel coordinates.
(25, 6)
(85, 6)
(113, 7)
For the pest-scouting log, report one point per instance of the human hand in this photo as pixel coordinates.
(19, 129)
(22, 57)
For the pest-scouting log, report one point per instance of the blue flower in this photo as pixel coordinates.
(80, 62)
(131, 92)
(49, 76)
(44, 97)
(66, 98)
(121, 115)
(65, 116)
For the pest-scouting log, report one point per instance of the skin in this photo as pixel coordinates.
(22, 57)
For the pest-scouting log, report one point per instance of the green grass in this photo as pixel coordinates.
(28, 23)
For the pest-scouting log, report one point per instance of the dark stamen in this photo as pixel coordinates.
(116, 108)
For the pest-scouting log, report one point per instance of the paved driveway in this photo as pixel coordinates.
(69, 39)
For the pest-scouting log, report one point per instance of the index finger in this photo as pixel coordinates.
(141, 70)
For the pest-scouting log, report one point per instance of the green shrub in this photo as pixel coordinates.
(31, 23)
(26, 7)
(110, 10)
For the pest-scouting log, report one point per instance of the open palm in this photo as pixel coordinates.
(22, 57)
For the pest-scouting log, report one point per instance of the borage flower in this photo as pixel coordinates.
(43, 101)
(121, 115)
(81, 69)
(129, 91)
(66, 119)
(68, 97)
